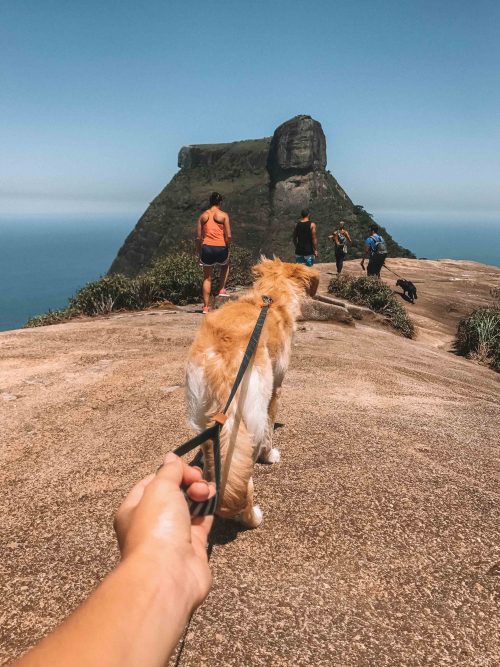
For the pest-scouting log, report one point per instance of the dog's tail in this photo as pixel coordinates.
(236, 445)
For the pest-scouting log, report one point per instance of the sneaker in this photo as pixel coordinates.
(206, 310)
(222, 292)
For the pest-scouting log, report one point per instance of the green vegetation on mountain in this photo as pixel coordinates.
(375, 294)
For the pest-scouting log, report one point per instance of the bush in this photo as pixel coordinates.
(177, 278)
(478, 336)
(51, 317)
(143, 292)
(102, 296)
(378, 296)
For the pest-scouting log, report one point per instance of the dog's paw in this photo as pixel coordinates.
(257, 517)
(274, 456)
(252, 519)
(271, 456)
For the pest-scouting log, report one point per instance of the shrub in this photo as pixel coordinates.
(177, 278)
(478, 336)
(143, 292)
(378, 296)
(240, 271)
(102, 296)
(51, 317)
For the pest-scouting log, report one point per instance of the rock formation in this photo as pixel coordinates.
(265, 183)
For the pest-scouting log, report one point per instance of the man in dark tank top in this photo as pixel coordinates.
(305, 240)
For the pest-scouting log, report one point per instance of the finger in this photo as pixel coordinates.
(199, 491)
(171, 470)
(201, 525)
(191, 474)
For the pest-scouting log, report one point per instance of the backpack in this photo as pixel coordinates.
(342, 241)
(379, 247)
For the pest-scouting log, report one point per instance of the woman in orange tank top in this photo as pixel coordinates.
(213, 237)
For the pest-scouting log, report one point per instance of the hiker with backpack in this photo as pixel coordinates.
(376, 251)
(340, 237)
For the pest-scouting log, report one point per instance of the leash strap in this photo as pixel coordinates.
(252, 344)
(212, 433)
(394, 272)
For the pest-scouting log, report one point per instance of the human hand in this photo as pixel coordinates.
(153, 523)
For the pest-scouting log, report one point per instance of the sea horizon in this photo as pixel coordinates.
(44, 260)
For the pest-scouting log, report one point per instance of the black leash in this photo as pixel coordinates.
(394, 272)
(212, 433)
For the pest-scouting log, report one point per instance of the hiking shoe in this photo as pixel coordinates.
(222, 292)
(206, 310)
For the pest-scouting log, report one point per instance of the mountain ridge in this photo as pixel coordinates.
(265, 183)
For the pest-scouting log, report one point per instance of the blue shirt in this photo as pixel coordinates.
(370, 243)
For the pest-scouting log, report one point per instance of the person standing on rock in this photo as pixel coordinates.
(213, 238)
(305, 240)
(376, 251)
(340, 237)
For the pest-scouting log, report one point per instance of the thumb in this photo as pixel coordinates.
(170, 470)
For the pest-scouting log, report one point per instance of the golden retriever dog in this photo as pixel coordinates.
(213, 363)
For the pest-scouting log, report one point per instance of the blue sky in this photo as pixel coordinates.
(96, 98)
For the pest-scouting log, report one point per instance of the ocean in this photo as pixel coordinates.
(446, 235)
(44, 261)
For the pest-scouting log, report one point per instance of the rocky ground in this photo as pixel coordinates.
(380, 541)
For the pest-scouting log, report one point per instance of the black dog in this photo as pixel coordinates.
(408, 289)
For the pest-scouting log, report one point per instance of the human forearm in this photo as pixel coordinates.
(139, 600)
(137, 614)
(314, 237)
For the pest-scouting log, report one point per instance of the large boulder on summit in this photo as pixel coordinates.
(296, 165)
(297, 147)
(265, 183)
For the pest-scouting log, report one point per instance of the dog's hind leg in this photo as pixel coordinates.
(256, 412)
(252, 514)
(268, 453)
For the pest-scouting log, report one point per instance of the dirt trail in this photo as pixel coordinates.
(380, 541)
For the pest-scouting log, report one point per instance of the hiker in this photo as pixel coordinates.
(340, 237)
(376, 251)
(305, 240)
(138, 613)
(213, 238)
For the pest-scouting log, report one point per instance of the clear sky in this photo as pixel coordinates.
(97, 97)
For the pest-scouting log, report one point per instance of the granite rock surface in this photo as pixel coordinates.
(380, 542)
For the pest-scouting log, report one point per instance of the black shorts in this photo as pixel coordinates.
(214, 254)
(375, 263)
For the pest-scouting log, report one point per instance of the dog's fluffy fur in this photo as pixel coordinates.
(213, 363)
(408, 288)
